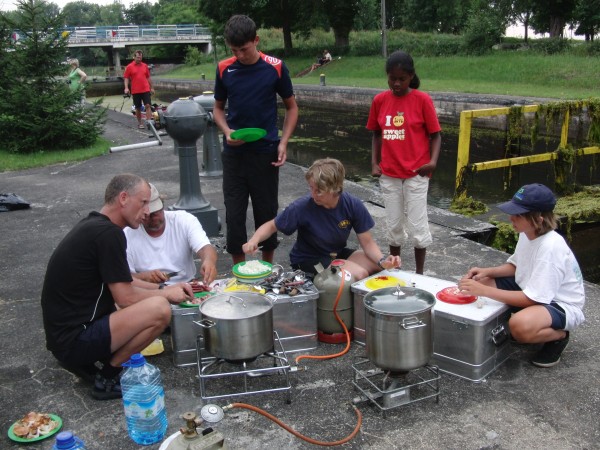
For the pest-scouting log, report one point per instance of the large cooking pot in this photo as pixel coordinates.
(237, 326)
(399, 327)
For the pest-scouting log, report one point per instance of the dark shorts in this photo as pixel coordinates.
(559, 318)
(249, 175)
(308, 267)
(92, 344)
(143, 98)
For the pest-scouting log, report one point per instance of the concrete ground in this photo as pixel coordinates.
(518, 406)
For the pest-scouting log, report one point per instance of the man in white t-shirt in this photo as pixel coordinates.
(167, 243)
(541, 280)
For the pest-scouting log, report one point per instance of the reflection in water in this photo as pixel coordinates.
(342, 135)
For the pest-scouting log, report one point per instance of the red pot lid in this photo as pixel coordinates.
(453, 295)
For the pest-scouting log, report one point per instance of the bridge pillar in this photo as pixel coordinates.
(116, 59)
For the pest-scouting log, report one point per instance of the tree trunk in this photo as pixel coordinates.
(287, 28)
(342, 38)
(557, 26)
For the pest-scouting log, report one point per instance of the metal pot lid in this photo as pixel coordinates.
(399, 300)
(232, 306)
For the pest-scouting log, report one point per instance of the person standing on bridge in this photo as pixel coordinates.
(249, 83)
(139, 83)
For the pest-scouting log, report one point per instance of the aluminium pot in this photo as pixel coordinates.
(399, 327)
(238, 326)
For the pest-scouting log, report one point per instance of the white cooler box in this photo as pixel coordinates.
(469, 341)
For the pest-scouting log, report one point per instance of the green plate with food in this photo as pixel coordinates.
(188, 304)
(45, 425)
(250, 270)
(249, 134)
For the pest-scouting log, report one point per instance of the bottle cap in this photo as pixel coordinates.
(136, 360)
(64, 439)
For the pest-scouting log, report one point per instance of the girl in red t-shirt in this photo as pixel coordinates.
(405, 149)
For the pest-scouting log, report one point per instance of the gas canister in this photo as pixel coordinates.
(329, 282)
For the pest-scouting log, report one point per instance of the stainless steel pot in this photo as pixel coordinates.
(399, 327)
(237, 326)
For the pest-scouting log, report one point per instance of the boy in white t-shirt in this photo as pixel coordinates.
(542, 279)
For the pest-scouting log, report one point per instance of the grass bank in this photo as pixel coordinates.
(10, 161)
(504, 73)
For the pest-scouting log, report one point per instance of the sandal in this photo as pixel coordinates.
(141, 126)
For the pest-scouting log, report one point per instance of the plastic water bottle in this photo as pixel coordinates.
(144, 401)
(66, 440)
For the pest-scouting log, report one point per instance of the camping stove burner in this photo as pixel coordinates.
(389, 390)
(268, 373)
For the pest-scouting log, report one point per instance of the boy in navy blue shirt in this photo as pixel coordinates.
(249, 83)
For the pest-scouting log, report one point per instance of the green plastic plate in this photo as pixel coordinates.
(187, 304)
(238, 274)
(16, 438)
(249, 134)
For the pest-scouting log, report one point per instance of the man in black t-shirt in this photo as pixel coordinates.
(88, 275)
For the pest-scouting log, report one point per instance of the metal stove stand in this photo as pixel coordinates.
(268, 373)
(391, 390)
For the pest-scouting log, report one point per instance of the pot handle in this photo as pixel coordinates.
(412, 322)
(205, 323)
(239, 298)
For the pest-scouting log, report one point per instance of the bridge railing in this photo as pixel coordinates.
(135, 32)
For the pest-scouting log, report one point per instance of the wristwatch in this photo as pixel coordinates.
(383, 258)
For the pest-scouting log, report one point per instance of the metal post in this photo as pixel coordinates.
(383, 31)
(211, 147)
(464, 142)
(322, 79)
(158, 141)
(185, 121)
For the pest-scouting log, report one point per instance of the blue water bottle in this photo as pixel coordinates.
(66, 440)
(144, 401)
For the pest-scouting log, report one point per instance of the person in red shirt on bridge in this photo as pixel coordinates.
(137, 75)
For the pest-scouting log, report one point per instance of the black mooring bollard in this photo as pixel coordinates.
(185, 121)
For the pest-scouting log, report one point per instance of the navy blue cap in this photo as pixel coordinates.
(531, 197)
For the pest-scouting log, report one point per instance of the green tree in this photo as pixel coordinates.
(81, 14)
(113, 14)
(587, 15)
(340, 14)
(521, 12)
(140, 14)
(173, 12)
(276, 13)
(444, 16)
(485, 27)
(39, 111)
(551, 16)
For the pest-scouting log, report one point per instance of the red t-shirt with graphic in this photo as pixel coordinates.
(405, 123)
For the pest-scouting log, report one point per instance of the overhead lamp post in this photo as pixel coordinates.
(383, 31)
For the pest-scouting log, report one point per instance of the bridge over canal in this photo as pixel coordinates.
(113, 39)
